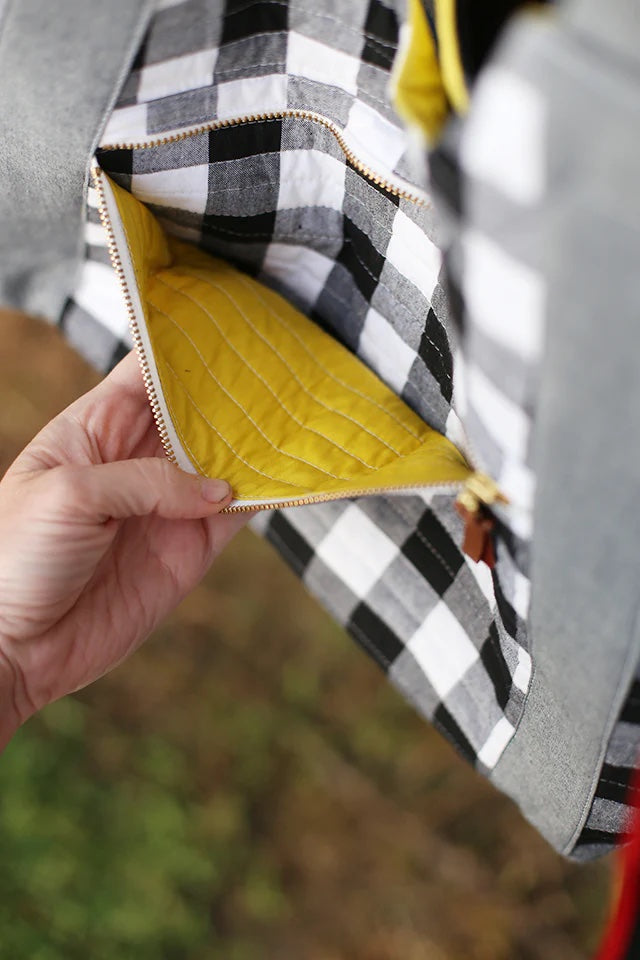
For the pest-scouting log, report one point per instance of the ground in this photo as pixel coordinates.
(248, 787)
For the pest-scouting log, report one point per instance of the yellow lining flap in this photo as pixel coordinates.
(450, 59)
(419, 91)
(261, 396)
(428, 81)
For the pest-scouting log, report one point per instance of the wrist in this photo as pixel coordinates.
(12, 700)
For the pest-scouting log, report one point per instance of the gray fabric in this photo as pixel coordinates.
(4, 6)
(46, 77)
(586, 561)
(615, 26)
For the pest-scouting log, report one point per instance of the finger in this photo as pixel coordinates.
(111, 419)
(136, 488)
(124, 384)
(125, 379)
(222, 529)
(127, 375)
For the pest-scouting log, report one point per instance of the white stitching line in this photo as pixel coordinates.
(344, 303)
(275, 238)
(318, 16)
(310, 13)
(266, 384)
(191, 272)
(348, 194)
(181, 435)
(494, 612)
(292, 456)
(331, 376)
(250, 73)
(224, 440)
(252, 69)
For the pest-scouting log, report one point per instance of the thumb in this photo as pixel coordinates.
(135, 488)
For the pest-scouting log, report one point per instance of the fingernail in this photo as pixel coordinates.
(215, 490)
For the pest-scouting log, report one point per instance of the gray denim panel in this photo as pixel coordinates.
(586, 556)
(4, 6)
(615, 26)
(57, 60)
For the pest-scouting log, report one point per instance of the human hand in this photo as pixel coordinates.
(100, 538)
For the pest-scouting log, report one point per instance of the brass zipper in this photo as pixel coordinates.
(349, 495)
(475, 493)
(480, 490)
(279, 115)
(116, 261)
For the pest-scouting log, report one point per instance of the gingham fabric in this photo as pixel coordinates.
(277, 197)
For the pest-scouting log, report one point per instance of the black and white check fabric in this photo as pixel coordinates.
(278, 197)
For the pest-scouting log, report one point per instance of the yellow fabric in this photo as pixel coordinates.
(261, 396)
(419, 93)
(450, 59)
(428, 82)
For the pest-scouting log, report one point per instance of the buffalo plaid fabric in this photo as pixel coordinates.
(277, 195)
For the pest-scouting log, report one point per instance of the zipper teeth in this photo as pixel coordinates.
(133, 322)
(279, 115)
(350, 495)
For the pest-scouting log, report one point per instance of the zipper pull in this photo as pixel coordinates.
(479, 492)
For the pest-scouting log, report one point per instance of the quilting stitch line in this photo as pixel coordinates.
(291, 456)
(328, 373)
(260, 473)
(398, 510)
(182, 438)
(276, 237)
(267, 385)
(310, 13)
(195, 273)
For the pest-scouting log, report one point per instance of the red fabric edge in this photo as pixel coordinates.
(626, 914)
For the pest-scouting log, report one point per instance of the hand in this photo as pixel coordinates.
(100, 538)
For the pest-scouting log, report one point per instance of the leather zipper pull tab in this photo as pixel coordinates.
(479, 492)
(478, 543)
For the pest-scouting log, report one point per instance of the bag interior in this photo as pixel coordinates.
(259, 394)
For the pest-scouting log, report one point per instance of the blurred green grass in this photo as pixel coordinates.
(248, 787)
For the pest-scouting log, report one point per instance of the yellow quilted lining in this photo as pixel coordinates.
(261, 396)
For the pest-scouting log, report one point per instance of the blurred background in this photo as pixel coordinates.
(248, 787)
